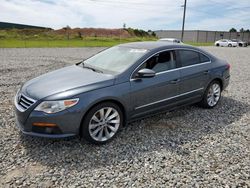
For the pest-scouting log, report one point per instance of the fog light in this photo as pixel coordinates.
(44, 124)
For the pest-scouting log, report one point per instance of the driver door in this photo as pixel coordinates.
(160, 91)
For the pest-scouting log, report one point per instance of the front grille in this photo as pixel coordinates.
(25, 102)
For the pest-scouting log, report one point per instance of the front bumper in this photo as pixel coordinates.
(44, 135)
(67, 122)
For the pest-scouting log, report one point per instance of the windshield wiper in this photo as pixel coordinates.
(91, 68)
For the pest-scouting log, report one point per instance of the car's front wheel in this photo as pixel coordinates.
(212, 95)
(102, 123)
(229, 45)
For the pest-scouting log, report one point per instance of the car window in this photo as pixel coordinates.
(161, 62)
(188, 57)
(203, 58)
(115, 59)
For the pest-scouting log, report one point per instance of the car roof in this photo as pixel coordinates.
(150, 45)
(159, 45)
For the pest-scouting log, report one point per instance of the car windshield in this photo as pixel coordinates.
(115, 59)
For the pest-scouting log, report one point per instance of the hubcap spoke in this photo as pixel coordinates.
(114, 121)
(95, 119)
(107, 134)
(94, 133)
(112, 116)
(111, 128)
(100, 134)
(101, 114)
(93, 126)
(108, 112)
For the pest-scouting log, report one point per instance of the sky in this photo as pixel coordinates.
(142, 14)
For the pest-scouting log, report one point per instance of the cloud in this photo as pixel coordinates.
(145, 14)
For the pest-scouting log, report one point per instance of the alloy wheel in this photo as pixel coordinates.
(214, 93)
(104, 124)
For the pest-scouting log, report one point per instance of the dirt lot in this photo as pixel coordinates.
(189, 147)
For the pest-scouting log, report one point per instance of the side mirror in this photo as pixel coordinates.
(145, 73)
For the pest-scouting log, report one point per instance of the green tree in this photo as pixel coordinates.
(232, 30)
(153, 34)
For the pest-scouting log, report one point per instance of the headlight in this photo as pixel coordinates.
(51, 107)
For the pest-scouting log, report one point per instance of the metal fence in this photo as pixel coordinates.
(203, 36)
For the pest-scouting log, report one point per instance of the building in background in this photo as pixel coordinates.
(202, 36)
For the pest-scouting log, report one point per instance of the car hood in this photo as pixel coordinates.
(66, 79)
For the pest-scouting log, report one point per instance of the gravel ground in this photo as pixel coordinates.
(189, 147)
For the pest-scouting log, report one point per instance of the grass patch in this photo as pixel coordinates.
(88, 42)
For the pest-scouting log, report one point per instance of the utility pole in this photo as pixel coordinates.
(183, 21)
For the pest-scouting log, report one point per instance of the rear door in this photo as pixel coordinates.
(195, 73)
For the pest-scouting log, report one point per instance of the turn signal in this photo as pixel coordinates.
(44, 124)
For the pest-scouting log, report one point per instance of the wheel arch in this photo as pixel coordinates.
(216, 79)
(220, 81)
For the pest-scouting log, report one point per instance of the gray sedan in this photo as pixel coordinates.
(97, 96)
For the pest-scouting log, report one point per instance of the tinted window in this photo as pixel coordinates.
(189, 57)
(161, 62)
(204, 58)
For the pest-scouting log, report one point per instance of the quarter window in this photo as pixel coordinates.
(204, 58)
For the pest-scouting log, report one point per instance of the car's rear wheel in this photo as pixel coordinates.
(240, 45)
(102, 123)
(212, 95)
(217, 44)
(229, 45)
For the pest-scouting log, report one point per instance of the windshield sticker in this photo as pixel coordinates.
(138, 50)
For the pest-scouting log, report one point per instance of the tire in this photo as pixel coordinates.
(212, 95)
(102, 123)
(240, 45)
(229, 45)
(217, 44)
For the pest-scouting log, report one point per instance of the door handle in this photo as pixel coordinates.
(206, 72)
(175, 81)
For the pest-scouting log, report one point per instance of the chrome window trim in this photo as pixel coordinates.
(132, 79)
(152, 103)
